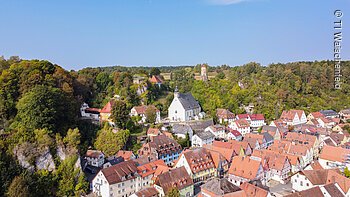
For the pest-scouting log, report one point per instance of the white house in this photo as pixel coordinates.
(183, 107)
(91, 113)
(241, 125)
(141, 111)
(225, 116)
(201, 138)
(217, 130)
(255, 120)
(233, 135)
(181, 130)
(334, 157)
(294, 117)
(95, 158)
(119, 180)
(245, 169)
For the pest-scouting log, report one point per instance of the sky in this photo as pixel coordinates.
(89, 33)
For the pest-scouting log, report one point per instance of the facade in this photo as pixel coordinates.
(183, 107)
(95, 158)
(225, 116)
(181, 130)
(293, 117)
(201, 138)
(233, 135)
(163, 147)
(141, 112)
(344, 114)
(241, 125)
(150, 171)
(106, 112)
(176, 178)
(198, 163)
(91, 113)
(119, 180)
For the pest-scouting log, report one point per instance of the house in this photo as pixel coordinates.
(244, 169)
(218, 188)
(307, 179)
(183, 107)
(338, 138)
(256, 121)
(329, 190)
(220, 162)
(148, 172)
(326, 122)
(240, 148)
(126, 155)
(201, 138)
(253, 190)
(95, 158)
(181, 130)
(259, 141)
(156, 79)
(273, 131)
(241, 125)
(329, 113)
(334, 157)
(90, 113)
(163, 147)
(151, 132)
(294, 117)
(112, 160)
(141, 112)
(225, 116)
(315, 115)
(277, 164)
(146, 192)
(227, 153)
(106, 112)
(176, 178)
(217, 130)
(303, 138)
(198, 163)
(233, 134)
(344, 114)
(119, 180)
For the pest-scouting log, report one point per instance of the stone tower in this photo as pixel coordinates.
(204, 73)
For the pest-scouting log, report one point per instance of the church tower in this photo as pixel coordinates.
(204, 73)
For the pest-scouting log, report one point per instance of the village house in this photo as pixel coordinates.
(244, 169)
(218, 188)
(198, 163)
(227, 153)
(241, 125)
(293, 117)
(305, 139)
(151, 132)
(315, 115)
(95, 158)
(156, 79)
(201, 138)
(344, 114)
(163, 147)
(278, 165)
(183, 107)
(259, 141)
(225, 116)
(334, 157)
(181, 130)
(148, 172)
(220, 162)
(146, 192)
(255, 120)
(90, 113)
(217, 130)
(307, 179)
(273, 131)
(329, 190)
(233, 134)
(240, 148)
(338, 138)
(329, 113)
(106, 112)
(118, 180)
(176, 178)
(328, 123)
(140, 111)
(253, 190)
(112, 160)
(126, 155)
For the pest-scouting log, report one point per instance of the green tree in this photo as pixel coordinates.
(173, 192)
(154, 71)
(120, 114)
(18, 187)
(110, 142)
(72, 138)
(347, 172)
(151, 114)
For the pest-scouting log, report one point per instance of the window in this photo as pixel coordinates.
(301, 183)
(307, 184)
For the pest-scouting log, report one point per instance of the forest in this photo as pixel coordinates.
(40, 101)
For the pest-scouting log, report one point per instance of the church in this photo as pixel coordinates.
(183, 107)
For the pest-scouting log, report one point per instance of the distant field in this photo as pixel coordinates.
(197, 75)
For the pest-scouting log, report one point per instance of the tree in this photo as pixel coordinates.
(151, 114)
(173, 192)
(120, 114)
(154, 71)
(18, 187)
(347, 172)
(72, 139)
(44, 107)
(110, 142)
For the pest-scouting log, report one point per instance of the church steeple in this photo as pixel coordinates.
(176, 92)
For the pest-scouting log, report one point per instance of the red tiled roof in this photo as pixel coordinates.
(317, 114)
(225, 114)
(151, 168)
(125, 154)
(253, 191)
(199, 159)
(108, 107)
(242, 123)
(244, 167)
(177, 177)
(142, 109)
(124, 170)
(93, 153)
(257, 117)
(155, 79)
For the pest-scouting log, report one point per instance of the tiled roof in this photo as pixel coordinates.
(337, 137)
(181, 129)
(177, 177)
(205, 135)
(124, 170)
(315, 191)
(234, 132)
(329, 113)
(317, 114)
(93, 153)
(301, 138)
(151, 168)
(257, 117)
(125, 154)
(333, 190)
(328, 153)
(289, 115)
(219, 186)
(199, 159)
(156, 79)
(224, 114)
(274, 160)
(228, 153)
(153, 131)
(253, 191)
(242, 123)
(108, 107)
(142, 108)
(244, 167)
(147, 192)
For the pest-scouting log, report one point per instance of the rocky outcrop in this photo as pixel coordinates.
(45, 161)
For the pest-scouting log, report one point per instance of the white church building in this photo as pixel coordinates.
(183, 107)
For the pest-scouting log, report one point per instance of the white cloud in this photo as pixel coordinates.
(225, 2)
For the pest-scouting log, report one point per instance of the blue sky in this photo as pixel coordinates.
(81, 33)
